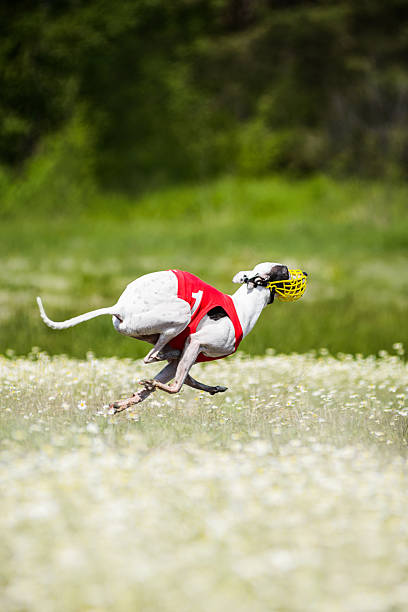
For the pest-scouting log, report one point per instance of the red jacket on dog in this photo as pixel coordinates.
(202, 298)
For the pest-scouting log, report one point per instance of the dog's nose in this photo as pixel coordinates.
(285, 272)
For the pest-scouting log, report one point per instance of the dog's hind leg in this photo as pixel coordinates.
(163, 376)
(165, 354)
(165, 321)
(168, 354)
(190, 353)
(164, 338)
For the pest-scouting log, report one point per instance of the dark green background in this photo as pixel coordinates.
(191, 88)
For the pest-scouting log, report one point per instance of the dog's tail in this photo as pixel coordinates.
(74, 320)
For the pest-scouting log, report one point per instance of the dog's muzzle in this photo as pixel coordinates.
(289, 290)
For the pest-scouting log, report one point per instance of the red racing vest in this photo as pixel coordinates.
(202, 297)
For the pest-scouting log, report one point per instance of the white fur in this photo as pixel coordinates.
(149, 306)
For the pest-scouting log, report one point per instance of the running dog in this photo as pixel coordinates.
(186, 320)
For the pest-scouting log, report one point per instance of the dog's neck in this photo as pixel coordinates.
(249, 305)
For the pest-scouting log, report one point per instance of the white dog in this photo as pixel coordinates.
(186, 319)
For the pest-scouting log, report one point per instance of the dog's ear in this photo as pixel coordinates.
(242, 277)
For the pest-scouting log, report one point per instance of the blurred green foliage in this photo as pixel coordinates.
(191, 88)
(350, 236)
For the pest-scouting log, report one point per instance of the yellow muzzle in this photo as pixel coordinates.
(292, 289)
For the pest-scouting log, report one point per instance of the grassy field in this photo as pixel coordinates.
(287, 493)
(78, 250)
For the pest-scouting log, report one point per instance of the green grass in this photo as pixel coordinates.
(350, 237)
(288, 492)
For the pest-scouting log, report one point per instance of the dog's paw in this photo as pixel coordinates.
(150, 358)
(116, 407)
(149, 385)
(164, 355)
(218, 389)
(124, 404)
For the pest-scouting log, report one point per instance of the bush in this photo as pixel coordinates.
(58, 179)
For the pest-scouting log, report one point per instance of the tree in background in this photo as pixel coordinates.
(190, 88)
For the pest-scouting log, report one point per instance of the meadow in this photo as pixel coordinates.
(207, 136)
(287, 493)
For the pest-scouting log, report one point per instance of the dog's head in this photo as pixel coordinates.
(261, 275)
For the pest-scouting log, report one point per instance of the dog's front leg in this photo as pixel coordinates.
(190, 353)
(163, 376)
(192, 382)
